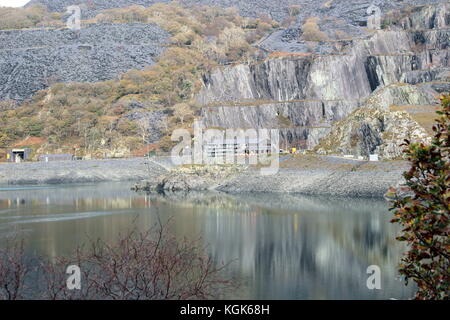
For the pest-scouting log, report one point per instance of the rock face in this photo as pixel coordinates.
(374, 129)
(190, 178)
(152, 121)
(305, 93)
(31, 60)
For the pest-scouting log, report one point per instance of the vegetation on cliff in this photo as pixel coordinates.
(33, 16)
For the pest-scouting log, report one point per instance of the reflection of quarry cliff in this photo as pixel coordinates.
(306, 94)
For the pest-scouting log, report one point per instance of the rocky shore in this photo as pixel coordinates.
(38, 173)
(191, 178)
(309, 176)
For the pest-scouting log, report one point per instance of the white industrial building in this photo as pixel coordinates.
(223, 147)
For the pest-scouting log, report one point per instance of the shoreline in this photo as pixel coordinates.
(304, 175)
(69, 172)
(316, 175)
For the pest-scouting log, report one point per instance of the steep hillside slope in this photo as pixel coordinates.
(249, 8)
(133, 113)
(31, 60)
(98, 54)
(351, 11)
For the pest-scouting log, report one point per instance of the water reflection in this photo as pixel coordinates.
(282, 246)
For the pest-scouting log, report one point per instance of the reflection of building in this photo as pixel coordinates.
(223, 147)
(18, 155)
(56, 157)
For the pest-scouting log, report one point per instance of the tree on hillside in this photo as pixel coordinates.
(182, 111)
(311, 30)
(424, 212)
(144, 127)
(35, 15)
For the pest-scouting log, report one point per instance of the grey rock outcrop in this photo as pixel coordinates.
(375, 129)
(290, 78)
(193, 178)
(301, 113)
(153, 122)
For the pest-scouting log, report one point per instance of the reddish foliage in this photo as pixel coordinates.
(152, 265)
(424, 212)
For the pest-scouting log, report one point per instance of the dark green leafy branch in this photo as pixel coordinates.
(422, 208)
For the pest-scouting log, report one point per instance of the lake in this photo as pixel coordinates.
(280, 246)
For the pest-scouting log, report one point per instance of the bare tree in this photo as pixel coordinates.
(182, 110)
(151, 265)
(13, 270)
(144, 127)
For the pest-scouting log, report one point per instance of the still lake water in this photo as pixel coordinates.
(282, 246)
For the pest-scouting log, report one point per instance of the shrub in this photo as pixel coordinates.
(312, 32)
(328, 4)
(13, 270)
(289, 21)
(151, 265)
(182, 112)
(424, 212)
(28, 17)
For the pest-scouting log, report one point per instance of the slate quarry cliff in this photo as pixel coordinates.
(308, 95)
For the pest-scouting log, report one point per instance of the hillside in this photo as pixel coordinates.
(250, 8)
(304, 67)
(99, 52)
(82, 115)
